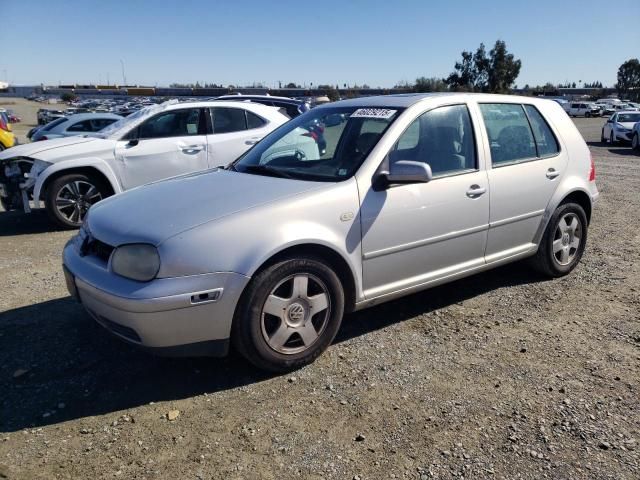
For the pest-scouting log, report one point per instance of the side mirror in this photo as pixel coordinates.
(404, 172)
(133, 142)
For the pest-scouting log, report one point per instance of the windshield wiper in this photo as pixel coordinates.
(266, 169)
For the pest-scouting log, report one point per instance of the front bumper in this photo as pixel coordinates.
(182, 316)
(625, 136)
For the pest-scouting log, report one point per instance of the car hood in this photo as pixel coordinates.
(628, 125)
(57, 149)
(155, 212)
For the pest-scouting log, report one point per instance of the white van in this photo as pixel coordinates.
(583, 109)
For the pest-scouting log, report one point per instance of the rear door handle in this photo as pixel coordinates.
(251, 141)
(475, 191)
(552, 173)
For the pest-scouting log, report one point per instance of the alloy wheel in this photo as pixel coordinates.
(295, 313)
(74, 199)
(567, 238)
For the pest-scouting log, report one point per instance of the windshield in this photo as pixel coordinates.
(122, 126)
(628, 117)
(324, 144)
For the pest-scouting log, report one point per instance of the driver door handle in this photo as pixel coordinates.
(475, 191)
(192, 149)
(552, 173)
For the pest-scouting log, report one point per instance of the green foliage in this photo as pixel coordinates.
(477, 72)
(68, 97)
(628, 85)
(433, 84)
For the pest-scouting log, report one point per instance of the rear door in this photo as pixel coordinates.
(170, 143)
(234, 131)
(527, 164)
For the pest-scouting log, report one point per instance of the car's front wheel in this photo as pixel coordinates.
(612, 138)
(289, 314)
(69, 197)
(563, 241)
(603, 139)
(635, 142)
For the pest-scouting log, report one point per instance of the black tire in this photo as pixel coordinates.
(545, 261)
(602, 139)
(57, 186)
(587, 115)
(247, 330)
(612, 139)
(1, 147)
(635, 142)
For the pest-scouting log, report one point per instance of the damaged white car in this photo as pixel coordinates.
(71, 174)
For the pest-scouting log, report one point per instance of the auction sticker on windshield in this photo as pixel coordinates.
(384, 113)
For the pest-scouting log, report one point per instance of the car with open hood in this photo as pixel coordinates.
(269, 253)
(162, 141)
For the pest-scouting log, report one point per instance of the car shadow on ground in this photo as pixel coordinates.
(18, 223)
(56, 364)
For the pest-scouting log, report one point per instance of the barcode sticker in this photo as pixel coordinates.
(384, 113)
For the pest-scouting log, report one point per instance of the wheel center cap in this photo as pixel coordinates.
(565, 239)
(295, 314)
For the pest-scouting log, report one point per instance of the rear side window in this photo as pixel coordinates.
(546, 142)
(228, 120)
(254, 121)
(510, 136)
(84, 126)
(99, 123)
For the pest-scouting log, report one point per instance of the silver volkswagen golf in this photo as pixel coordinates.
(351, 204)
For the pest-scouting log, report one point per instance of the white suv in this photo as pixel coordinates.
(158, 142)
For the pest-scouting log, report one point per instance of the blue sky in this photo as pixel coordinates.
(245, 41)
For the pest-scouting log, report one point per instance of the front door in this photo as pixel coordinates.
(169, 144)
(414, 234)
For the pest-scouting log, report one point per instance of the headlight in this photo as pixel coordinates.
(137, 261)
(621, 128)
(38, 167)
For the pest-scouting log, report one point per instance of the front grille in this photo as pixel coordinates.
(94, 247)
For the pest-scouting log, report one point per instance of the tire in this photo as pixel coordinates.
(587, 115)
(602, 139)
(77, 192)
(1, 147)
(560, 250)
(612, 139)
(274, 326)
(635, 142)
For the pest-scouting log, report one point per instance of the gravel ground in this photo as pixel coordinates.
(501, 375)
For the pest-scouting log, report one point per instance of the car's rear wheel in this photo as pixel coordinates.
(635, 142)
(563, 241)
(69, 197)
(289, 314)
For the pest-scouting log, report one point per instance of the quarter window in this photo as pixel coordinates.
(509, 132)
(546, 142)
(84, 126)
(174, 123)
(442, 137)
(254, 121)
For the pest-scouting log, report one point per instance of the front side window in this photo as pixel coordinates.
(324, 144)
(174, 123)
(442, 137)
(510, 136)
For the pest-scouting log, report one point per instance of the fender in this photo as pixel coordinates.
(571, 185)
(92, 162)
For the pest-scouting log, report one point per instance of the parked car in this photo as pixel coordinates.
(71, 174)
(79, 124)
(7, 137)
(635, 136)
(583, 109)
(46, 116)
(619, 126)
(270, 252)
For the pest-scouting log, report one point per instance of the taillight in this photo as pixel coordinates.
(592, 171)
(3, 124)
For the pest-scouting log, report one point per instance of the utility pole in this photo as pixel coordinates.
(124, 78)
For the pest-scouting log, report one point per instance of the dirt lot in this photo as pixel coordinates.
(502, 375)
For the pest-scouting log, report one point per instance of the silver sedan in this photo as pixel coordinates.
(268, 254)
(74, 125)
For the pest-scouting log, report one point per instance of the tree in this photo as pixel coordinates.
(291, 85)
(503, 68)
(477, 72)
(628, 85)
(433, 84)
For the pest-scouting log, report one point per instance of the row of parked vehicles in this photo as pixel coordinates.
(598, 109)
(232, 223)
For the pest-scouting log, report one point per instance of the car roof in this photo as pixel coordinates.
(209, 103)
(259, 97)
(91, 116)
(405, 100)
(627, 111)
